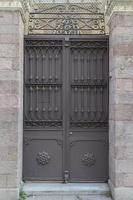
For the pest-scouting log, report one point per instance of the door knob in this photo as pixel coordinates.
(70, 133)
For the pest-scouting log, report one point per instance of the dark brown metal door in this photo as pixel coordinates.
(66, 109)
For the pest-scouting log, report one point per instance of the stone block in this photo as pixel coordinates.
(9, 194)
(123, 85)
(120, 128)
(11, 181)
(8, 167)
(120, 20)
(9, 101)
(123, 50)
(3, 181)
(8, 50)
(119, 36)
(9, 137)
(10, 29)
(8, 125)
(9, 115)
(124, 166)
(125, 98)
(9, 38)
(124, 112)
(6, 17)
(123, 193)
(9, 87)
(122, 152)
(5, 87)
(5, 63)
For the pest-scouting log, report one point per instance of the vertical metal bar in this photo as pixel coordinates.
(43, 97)
(43, 65)
(37, 64)
(37, 108)
(30, 106)
(66, 88)
(31, 61)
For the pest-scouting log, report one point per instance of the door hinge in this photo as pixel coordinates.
(66, 176)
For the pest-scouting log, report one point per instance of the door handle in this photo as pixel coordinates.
(70, 133)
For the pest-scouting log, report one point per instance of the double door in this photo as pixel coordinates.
(66, 109)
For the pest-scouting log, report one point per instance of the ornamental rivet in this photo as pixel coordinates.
(43, 158)
(88, 159)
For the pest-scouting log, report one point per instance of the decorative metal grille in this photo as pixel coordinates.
(89, 84)
(43, 83)
(109, 2)
(67, 17)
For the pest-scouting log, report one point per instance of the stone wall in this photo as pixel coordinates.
(121, 104)
(11, 101)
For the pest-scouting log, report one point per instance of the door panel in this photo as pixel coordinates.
(66, 110)
(88, 116)
(43, 155)
(43, 117)
(88, 156)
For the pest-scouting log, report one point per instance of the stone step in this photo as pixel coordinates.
(71, 191)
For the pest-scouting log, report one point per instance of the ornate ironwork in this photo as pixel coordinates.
(67, 18)
(89, 159)
(43, 158)
(43, 84)
(89, 44)
(43, 124)
(109, 2)
(43, 43)
(92, 124)
(89, 84)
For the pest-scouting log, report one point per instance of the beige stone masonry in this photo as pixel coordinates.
(11, 97)
(120, 21)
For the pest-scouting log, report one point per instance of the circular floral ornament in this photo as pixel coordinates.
(89, 159)
(43, 158)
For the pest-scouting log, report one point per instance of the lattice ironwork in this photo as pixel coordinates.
(89, 84)
(109, 2)
(67, 17)
(43, 83)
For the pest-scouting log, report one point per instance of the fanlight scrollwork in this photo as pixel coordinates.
(67, 18)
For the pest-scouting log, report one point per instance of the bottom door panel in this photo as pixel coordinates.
(43, 157)
(88, 158)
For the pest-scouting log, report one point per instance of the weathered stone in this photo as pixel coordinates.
(123, 85)
(9, 194)
(9, 29)
(11, 103)
(123, 112)
(6, 18)
(8, 50)
(9, 38)
(121, 106)
(5, 63)
(119, 36)
(3, 181)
